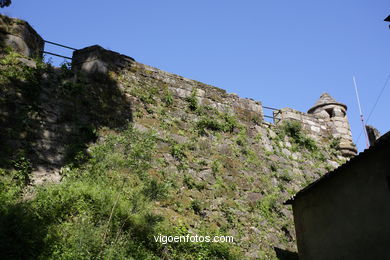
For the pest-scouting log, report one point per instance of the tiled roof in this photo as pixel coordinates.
(383, 141)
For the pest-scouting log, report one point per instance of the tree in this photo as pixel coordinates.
(4, 3)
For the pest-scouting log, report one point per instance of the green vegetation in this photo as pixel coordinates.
(168, 97)
(335, 143)
(196, 206)
(146, 94)
(101, 210)
(104, 208)
(20, 87)
(294, 130)
(217, 122)
(267, 207)
(191, 183)
(192, 100)
(177, 151)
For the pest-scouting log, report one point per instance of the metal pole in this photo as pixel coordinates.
(61, 45)
(361, 113)
(270, 108)
(50, 53)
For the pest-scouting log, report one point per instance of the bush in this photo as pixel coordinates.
(220, 122)
(294, 130)
(196, 206)
(168, 99)
(155, 190)
(192, 101)
(267, 206)
(95, 213)
(22, 171)
(335, 143)
(178, 152)
(101, 210)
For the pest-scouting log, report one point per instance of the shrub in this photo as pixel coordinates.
(177, 151)
(216, 167)
(192, 100)
(267, 206)
(155, 190)
(294, 130)
(196, 206)
(191, 183)
(22, 171)
(335, 143)
(145, 93)
(220, 122)
(168, 99)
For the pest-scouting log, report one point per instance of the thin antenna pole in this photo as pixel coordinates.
(361, 113)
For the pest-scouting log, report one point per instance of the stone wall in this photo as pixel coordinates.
(240, 174)
(316, 127)
(96, 59)
(20, 36)
(320, 128)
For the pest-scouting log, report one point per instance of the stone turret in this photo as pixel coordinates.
(334, 115)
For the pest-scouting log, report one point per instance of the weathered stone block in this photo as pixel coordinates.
(95, 59)
(20, 36)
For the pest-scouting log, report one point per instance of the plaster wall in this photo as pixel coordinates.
(347, 215)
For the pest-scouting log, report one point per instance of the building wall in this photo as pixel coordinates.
(347, 216)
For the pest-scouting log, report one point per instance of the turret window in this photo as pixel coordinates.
(330, 112)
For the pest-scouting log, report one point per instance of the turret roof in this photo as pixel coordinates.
(324, 100)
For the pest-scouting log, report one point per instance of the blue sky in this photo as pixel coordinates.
(282, 53)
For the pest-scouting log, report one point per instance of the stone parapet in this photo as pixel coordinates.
(325, 120)
(320, 128)
(206, 95)
(97, 59)
(21, 37)
(316, 127)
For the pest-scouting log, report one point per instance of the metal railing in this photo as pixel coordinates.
(275, 113)
(60, 45)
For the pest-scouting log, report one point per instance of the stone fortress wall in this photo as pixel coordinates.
(324, 121)
(95, 59)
